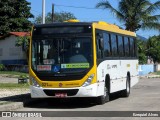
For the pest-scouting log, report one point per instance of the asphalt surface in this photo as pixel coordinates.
(145, 96)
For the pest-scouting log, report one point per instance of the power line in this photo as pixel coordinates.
(79, 7)
(36, 11)
(72, 7)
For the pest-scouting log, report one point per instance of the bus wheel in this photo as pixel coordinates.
(126, 92)
(104, 98)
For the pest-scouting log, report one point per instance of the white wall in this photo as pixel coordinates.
(158, 67)
(8, 50)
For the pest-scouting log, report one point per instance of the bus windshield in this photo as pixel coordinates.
(62, 54)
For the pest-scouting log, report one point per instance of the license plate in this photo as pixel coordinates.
(61, 95)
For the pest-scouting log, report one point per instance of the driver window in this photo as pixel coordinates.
(99, 39)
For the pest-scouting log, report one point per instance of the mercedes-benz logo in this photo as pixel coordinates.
(60, 84)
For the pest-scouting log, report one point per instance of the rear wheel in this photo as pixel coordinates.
(126, 92)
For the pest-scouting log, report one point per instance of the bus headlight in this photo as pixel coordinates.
(34, 82)
(88, 81)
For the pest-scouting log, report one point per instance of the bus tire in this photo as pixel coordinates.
(104, 98)
(126, 92)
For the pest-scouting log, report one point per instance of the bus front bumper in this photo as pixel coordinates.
(88, 91)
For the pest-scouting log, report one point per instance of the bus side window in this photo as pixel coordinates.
(114, 45)
(107, 45)
(100, 45)
(126, 46)
(120, 46)
(135, 47)
(132, 47)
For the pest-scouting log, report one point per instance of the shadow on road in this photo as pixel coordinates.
(16, 98)
(58, 103)
(68, 103)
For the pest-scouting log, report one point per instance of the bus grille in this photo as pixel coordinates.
(70, 92)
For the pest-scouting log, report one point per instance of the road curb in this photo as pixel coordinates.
(149, 76)
(154, 76)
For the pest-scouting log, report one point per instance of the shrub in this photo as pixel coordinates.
(1, 66)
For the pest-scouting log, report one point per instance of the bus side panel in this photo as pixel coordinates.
(134, 80)
(117, 71)
(131, 67)
(111, 68)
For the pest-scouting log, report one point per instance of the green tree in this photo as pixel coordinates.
(135, 14)
(153, 48)
(58, 17)
(14, 15)
(141, 45)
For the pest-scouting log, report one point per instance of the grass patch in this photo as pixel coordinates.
(13, 85)
(157, 73)
(4, 102)
(13, 74)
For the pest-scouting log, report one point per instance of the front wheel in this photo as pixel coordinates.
(104, 98)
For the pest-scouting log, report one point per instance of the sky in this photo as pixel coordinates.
(85, 11)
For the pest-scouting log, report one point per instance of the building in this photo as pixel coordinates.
(10, 54)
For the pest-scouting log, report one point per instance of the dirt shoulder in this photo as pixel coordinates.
(5, 91)
(5, 79)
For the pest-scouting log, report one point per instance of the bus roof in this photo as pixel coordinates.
(63, 24)
(112, 28)
(97, 25)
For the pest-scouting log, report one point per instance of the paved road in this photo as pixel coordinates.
(145, 96)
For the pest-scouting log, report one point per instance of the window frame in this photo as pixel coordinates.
(118, 56)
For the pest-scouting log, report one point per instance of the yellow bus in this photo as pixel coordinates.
(82, 59)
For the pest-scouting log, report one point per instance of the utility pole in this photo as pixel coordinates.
(52, 12)
(43, 11)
